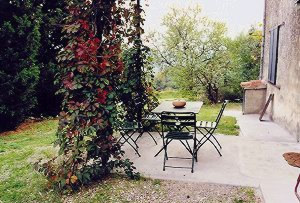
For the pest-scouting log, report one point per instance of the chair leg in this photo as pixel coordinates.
(214, 145)
(194, 156)
(134, 148)
(211, 133)
(217, 141)
(161, 149)
(194, 151)
(152, 137)
(158, 131)
(208, 138)
(296, 188)
(127, 139)
(168, 142)
(165, 155)
(193, 161)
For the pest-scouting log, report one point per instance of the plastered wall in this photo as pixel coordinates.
(285, 109)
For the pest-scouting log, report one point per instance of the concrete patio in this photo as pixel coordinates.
(252, 159)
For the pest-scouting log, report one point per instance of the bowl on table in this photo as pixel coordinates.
(179, 103)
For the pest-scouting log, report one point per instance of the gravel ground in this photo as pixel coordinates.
(147, 190)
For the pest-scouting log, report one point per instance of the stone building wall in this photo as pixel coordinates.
(285, 109)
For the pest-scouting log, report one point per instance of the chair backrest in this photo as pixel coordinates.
(221, 112)
(176, 121)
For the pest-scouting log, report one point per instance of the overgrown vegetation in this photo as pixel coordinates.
(135, 91)
(97, 84)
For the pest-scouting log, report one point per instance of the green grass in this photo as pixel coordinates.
(228, 124)
(175, 94)
(18, 181)
(250, 196)
(170, 95)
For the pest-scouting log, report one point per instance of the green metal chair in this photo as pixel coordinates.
(207, 129)
(150, 122)
(181, 127)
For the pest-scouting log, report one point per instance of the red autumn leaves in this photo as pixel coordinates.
(90, 53)
(101, 96)
(86, 51)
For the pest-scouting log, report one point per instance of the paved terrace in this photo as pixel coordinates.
(252, 159)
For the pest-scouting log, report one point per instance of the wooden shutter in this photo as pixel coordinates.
(273, 55)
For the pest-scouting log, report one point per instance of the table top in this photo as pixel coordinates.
(293, 158)
(193, 107)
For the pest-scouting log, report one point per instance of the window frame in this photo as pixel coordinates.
(273, 55)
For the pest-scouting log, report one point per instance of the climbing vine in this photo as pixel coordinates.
(91, 70)
(135, 91)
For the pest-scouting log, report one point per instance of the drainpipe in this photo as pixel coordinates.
(261, 75)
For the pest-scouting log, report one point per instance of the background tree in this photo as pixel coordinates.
(52, 41)
(194, 52)
(19, 68)
(245, 56)
(31, 38)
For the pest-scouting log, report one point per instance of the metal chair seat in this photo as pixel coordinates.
(179, 135)
(206, 124)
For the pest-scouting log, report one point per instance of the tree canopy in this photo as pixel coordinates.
(194, 51)
(196, 56)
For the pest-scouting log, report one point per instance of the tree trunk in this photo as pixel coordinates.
(212, 94)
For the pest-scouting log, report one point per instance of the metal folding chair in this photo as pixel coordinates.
(150, 122)
(207, 129)
(181, 127)
(127, 131)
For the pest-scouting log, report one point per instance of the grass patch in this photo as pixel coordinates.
(18, 180)
(228, 124)
(248, 196)
(170, 95)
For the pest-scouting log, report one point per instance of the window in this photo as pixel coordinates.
(273, 55)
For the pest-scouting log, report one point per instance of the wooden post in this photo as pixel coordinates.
(271, 97)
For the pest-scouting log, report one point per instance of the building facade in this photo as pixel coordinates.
(280, 67)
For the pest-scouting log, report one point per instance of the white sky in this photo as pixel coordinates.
(238, 15)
